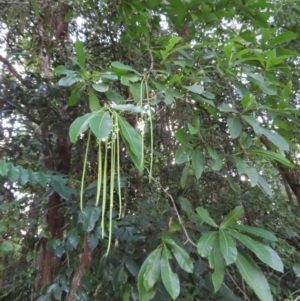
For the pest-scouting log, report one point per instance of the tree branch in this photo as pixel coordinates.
(13, 70)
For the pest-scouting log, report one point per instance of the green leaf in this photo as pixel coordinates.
(257, 232)
(182, 136)
(198, 163)
(80, 53)
(253, 276)
(272, 155)
(152, 272)
(143, 294)
(198, 89)
(286, 92)
(101, 125)
(206, 243)
(169, 279)
(90, 217)
(129, 108)
(3, 168)
(121, 66)
(181, 155)
(235, 126)
(73, 238)
(264, 185)
(247, 101)
(226, 108)
(217, 261)
(253, 123)
(283, 37)
(185, 205)
(262, 251)
(192, 129)
(296, 269)
(133, 142)
(227, 247)
(100, 87)
(184, 176)
(204, 214)
(276, 139)
(61, 189)
(52, 244)
(80, 125)
(76, 93)
(181, 256)
(232, 217)
(6, 247)
(113, 96)
(169, 99)
(138, 91)
(68, 81)
(250, 171)
(93, 101)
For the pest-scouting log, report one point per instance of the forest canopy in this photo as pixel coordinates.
(149, 150)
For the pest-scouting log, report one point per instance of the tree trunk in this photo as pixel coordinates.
(84, 264)
(47, 261)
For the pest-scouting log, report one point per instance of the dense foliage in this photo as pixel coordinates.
(149, 150)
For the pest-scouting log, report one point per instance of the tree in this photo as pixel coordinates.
(149, 150)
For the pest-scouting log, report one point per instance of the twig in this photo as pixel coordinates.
(176, 210)
(238, 287)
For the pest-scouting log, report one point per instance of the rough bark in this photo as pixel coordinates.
(84, 264)
(47, 261)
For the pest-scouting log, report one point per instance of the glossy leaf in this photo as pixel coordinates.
(76, 93)
(235, 126)
(121, 66)
(232, 217)
(272, 155)
(276, 139)
(283, 37)
(152, 272)
(133, 142)
(90, 217)
(253, 276)
(250, 171)
(169, 279)
(68, 81)
(80, 125)
(226, 108)
(253, 123)
(101, 125)
(100, 87)
(259, 232)
(262, 251)
(93, 101)
(227, 247)
(143, 294)
(182, 257)
(205, 216)
(218, 264)
(198, 89)
(206, 243)
(264, 185)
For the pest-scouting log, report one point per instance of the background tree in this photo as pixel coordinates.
(146, 145)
